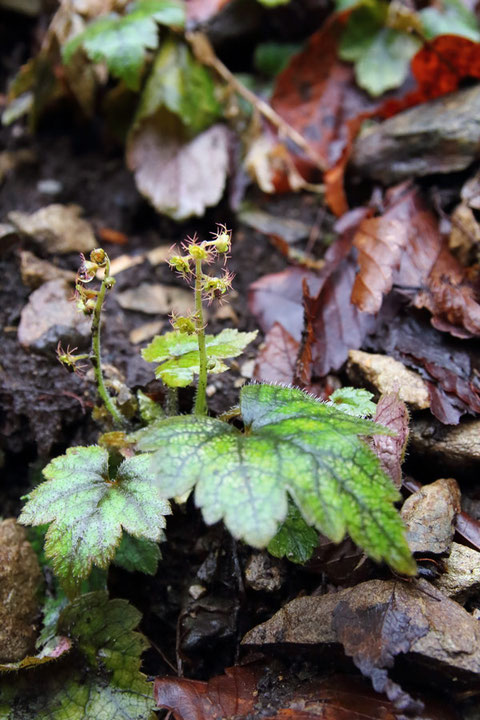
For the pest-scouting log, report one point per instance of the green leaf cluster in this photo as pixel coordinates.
(87, 509)
(353, 401)
(292, 446)
(382, 54)
(100, 680)
(178, 356)
(122, 41)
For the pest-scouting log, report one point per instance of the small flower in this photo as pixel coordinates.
(215, 287)
(180, 263)
(98, 257)
(183, 324)
(200, 252)
(69, 360)
(87, 270)
(222, 240)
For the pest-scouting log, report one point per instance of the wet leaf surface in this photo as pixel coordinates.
(392, 413)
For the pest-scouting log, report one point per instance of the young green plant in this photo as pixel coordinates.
(91, 302)
(188, 350)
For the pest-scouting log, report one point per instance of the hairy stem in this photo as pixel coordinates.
(201, 396)
(171, 405)
(95, 356)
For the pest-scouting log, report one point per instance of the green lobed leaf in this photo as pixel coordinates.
(294, 540)
(455, 19)
(353, 401)
(87, 509)
(101, 681)
(137, 555)
(293, 445)
(122, 41)
(381, 55)
(179, 359)
(179, 83)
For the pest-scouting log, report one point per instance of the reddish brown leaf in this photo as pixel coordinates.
(112, 236)
(228, 695)
(392, 413)
(277, 359)
(317, 95)
(403, 247)
(438, 67)
(278, 298)
(339, 697)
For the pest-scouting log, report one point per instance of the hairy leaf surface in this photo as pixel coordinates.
(353, 401)
(87, 509)
(122, 41)
(99, 682)
(294, 540)
(179, 358)
(293, 445)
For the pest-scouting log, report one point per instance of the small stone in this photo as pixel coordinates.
(388, 375)
(239, 382)
(456, 447)
(20, 576)
(156, 299)
(49, 186)
(429, 516)
(246, 370)
(35, 272)
(197, 591)
(264, 573)
(57, 228)
(462, 576)
(145, 331)
(210, 390)
(50, 316)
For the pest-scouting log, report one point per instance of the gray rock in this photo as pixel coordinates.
(441, 136)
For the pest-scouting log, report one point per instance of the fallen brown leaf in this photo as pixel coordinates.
(392, 413)
(276, 361)
(180, 177)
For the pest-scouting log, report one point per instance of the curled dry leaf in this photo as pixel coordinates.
(180, 176)
(392, 413)
(375, 621)
(429, 515)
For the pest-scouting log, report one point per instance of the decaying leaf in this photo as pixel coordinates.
(88, 515)
(181, 177)
(392, 413)
(377, 620)
(56, 228)
(294, 445)
(229, 695)
(277, 359)
(429, 515)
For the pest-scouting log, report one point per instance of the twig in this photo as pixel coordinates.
(205, 54)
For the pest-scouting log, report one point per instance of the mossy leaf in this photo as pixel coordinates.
(87, 509)
(122, 41)
(179, 358)
(293, 445)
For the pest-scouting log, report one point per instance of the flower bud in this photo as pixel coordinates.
(98, 256)
(222, 240)
(198, 252)
(183, 324)
(180, 263)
